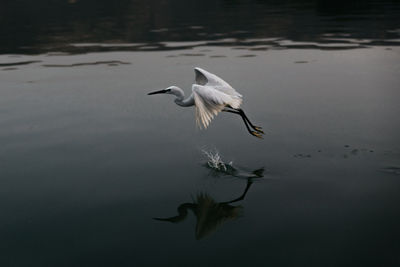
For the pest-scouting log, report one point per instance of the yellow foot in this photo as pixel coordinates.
(256, 134)
(258, 129)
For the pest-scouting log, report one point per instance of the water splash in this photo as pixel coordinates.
(220, 168)
(215, 162)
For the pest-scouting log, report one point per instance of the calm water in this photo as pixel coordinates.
(93, 172)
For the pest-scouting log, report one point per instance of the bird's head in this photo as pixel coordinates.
(172, 90)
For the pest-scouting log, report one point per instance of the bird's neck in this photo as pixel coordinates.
(179, 100)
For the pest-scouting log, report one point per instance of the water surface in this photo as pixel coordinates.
(88, 160)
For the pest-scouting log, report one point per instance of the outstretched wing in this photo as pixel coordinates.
(206, 78)
(209, 102)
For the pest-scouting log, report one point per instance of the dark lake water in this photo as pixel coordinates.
(94, 172)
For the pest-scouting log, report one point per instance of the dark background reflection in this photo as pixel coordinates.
(52, 25)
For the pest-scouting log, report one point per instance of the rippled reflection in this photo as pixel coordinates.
(130, 25)
(209, 213)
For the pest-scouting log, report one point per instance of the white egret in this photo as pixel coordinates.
(211, 95)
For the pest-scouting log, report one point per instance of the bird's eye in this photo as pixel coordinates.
(168, 90)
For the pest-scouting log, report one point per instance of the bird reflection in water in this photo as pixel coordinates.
(209, 213)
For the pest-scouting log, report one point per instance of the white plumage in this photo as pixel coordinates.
(211, 95)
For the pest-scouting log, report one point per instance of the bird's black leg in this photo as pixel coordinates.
(241, 112)
(256, 134)
(257, 128)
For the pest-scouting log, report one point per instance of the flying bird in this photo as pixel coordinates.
(210, 96)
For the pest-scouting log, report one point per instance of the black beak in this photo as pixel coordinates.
(158, 92)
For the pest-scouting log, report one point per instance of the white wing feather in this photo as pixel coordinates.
(209, 102)
(206, 78)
